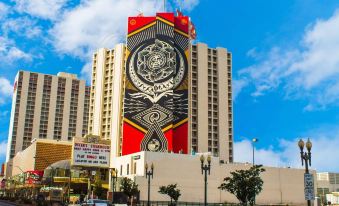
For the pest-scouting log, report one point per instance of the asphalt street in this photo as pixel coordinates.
(2, 203)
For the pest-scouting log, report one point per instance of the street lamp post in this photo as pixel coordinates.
(149, 174)
(114, 178)
(204, 169)
(254, 140)
(306, 157)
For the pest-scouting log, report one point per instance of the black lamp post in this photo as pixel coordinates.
(305, 157)
(149, 174)
(114, 178)
(204, 169)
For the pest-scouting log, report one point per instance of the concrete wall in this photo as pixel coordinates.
(281, 185)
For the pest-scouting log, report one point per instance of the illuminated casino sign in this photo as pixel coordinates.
(156, 91)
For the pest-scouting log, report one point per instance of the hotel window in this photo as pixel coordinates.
(135, 168)
(120, 169)
(127, 169)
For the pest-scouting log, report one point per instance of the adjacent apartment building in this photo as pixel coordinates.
(105, 111)
(210, 99)
(47, 107)
(211, 107)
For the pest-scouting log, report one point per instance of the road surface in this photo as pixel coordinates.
(4, 203)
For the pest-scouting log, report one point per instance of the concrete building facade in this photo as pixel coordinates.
(210, 79)
(281, 185)
(106, 95)
(211, 119)
(327, 183)
(39, 155)
(47, 107)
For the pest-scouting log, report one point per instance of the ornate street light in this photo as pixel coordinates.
(114, 178)
(204, 169)
(149, 174)
(305, 157)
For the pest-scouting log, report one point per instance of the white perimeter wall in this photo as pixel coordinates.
(281, 185)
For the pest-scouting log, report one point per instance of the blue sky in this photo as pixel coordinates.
(285, 62)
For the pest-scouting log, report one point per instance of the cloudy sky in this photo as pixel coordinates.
(285, 62)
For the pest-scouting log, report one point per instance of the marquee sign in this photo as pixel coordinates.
(90, 155)
(156, 91)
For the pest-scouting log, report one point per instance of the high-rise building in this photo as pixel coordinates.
(118, 107)
(211, 125)
(156, 87)
(46, 107)
(106, 93)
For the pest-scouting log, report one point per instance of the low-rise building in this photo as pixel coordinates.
(281, 185)
(39, 155)
(327, 183)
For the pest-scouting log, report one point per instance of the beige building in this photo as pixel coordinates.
(327, 183)
(211, 125)
(40, 154)
(47, 107)
(281, 185)
(210, 99)
(106, 95)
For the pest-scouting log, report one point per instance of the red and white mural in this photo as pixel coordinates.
(156, 88)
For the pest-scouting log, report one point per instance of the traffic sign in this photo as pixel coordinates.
(309, 186)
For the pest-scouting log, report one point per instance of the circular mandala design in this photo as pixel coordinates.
(156, 68)
(153, 145)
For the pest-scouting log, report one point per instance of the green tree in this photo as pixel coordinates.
(98, 190)
(129, 187)
(244, 184)
(172, 191)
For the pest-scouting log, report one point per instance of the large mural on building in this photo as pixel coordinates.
(156, 86)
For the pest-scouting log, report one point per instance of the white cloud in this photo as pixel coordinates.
(4, 10)
(186, 4)
(86, 72)
(6, 90)
(22, 26)
(243, 153)
(3, 148)
(10, 53)
(238, 85)
(4, 115)
(45, 9)
(310, 72)
(287, 153)
(96, 24)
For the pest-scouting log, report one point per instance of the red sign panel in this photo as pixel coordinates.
(3, 184)
(34, 177)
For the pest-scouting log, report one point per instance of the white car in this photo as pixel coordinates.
(95, 202)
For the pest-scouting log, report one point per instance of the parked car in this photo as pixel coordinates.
(95, 202)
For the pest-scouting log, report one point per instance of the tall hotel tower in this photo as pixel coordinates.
(105, 113)
(48, 107)
(160, 93)
(211, 122)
